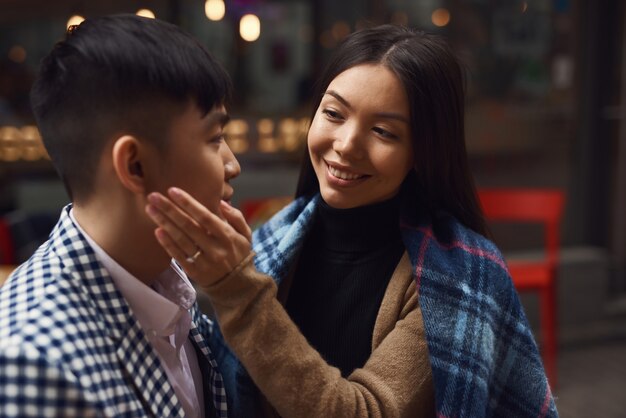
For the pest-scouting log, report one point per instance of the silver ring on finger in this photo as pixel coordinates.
(192, 259)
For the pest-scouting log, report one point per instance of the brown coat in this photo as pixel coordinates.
(396, 381)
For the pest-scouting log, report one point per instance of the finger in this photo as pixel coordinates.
(173, 250)
(178, 216)
(222, 254)
(235, 218)
(178, 235)
(222, 246)
(200, 214)
(202, 270)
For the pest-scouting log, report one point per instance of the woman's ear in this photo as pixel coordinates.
(127, 155)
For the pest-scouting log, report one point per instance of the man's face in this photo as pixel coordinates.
(196, 157)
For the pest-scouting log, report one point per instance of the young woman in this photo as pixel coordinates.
(381, 296)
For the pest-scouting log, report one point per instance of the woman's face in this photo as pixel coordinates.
(360, 138)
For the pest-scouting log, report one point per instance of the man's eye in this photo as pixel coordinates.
(218, 138)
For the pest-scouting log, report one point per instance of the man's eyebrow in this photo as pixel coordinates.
(385, 115)
(220, 118)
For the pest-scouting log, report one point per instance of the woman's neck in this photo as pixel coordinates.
(357, 229)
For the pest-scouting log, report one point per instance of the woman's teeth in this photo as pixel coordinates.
(342, 175)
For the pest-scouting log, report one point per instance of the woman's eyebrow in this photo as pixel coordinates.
(392, 115)
(338, 97)
(385, 115)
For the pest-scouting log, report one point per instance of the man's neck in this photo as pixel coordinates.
(127, 236)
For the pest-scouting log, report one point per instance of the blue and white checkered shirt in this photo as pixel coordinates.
(71, 347)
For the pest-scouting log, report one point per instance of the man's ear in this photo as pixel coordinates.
(127, 155)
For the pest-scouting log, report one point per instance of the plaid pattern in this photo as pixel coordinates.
(70, 346)
(484, 359)
(202, 326)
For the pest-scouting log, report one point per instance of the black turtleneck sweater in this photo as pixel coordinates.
(341, 278)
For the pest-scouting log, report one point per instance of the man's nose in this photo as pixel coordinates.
(231, 166)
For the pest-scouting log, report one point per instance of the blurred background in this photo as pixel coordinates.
(546, 109)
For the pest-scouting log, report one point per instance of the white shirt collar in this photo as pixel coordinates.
(157, 309)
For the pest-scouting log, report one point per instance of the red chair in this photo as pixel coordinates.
(544, 206)
(7, 253)
(257, 211)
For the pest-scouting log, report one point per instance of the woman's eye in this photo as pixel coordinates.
(384, 133)
(331, 114)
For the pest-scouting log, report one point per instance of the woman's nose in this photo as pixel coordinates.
(348, 142)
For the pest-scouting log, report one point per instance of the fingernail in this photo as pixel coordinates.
(225, 204)
(153, 198)
(175, 191)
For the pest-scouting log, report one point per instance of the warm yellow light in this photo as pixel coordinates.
(236, 127)
(74, 21)
(266, 142)
(237, 135)
(17, 54)
(32, 147)
(265, 126)
(289, 134)
(145, 13)
(214, 9)
(10, 138)
(340, 30)
(250, 27)
(440, 17)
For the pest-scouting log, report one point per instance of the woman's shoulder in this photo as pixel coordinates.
(454, 254)
(450, 231)
(466, 295)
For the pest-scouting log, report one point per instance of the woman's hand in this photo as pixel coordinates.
(207, 246)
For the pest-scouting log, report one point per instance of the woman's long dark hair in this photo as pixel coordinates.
(434, 83)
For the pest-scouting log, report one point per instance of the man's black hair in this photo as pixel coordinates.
(113, 75)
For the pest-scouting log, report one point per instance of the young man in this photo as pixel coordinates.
(99, 322)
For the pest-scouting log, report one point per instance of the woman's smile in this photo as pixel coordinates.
(342, 176)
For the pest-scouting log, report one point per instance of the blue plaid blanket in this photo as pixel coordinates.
(484, 359)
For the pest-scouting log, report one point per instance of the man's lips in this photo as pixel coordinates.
(227, 197)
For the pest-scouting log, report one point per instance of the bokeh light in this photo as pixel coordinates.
(215, 9)
(250, 27)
